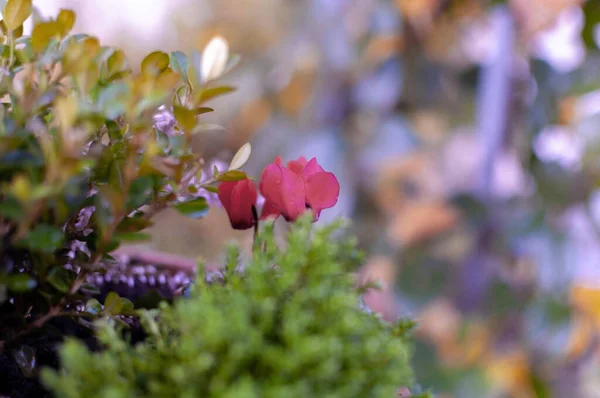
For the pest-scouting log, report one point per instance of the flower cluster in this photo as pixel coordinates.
(288, 191)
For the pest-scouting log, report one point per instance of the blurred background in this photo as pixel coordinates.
(466, 138)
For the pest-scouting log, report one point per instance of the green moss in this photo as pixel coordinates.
(290, 326)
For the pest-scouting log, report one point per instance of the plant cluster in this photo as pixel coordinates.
(288, 326)
(91, 148)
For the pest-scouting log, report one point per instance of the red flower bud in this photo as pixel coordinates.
(239, 200)
(290, 191)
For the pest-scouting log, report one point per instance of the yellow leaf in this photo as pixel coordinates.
(186, 118)
(16, 12)
(41, 35)
(65, 21)
(115, 62)
(155, 63)
(65, 109)
(91, 46)
(241, 157)
(21, 188)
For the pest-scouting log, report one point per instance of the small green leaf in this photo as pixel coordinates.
(11, 209)
(21, 283)
(43, 238)
(133, 224)
(113, 304)
(133, 236)
(203, 109)
(93, 307)
(186, 118)
(116, 62)
(155, 63)
(126, 306)
(195, 208)
(62, 279)
(179, 63)
(591, 13)
(211, 93)
(232, 175)
(16, 12)
(211, 188)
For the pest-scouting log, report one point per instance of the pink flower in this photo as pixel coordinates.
(239, 200)
(302, 185)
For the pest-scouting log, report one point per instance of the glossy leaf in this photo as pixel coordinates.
(211, 93)
(186, 118)
(61, 278)
(133, 236)
(113, 304)
(93, 306)
(195, 208)
(16, 12)
(65, 22)
(155, 63)
(232, 175)
(44, 238)
(179, 63)
(21, 283)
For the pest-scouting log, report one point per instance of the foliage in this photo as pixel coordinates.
(90, 149)
(287, 326)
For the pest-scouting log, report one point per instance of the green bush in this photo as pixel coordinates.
(287, 326)
(91, 147)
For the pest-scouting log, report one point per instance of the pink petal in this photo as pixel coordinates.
(269, 211)
(312, 167)
(225, 189)
(297, 165)
(322, 191)
(284, 189)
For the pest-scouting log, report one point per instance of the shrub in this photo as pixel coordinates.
(90, 148)
(287, 326)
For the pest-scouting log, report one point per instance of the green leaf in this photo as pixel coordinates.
(43, 238)
(211, 188)
(203, 109)
(126, 306)
(133, 236)
(16, 12)
(591, 12)
(186, 118)
(232, 175)
(113, 304)
(155, 63)
(93, 307)
(11, 209)
(211, 93)
(195, 208)
(21, 283)
(179, 63)
(61, 278)
(133, 224)
(116, 62)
